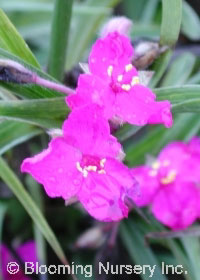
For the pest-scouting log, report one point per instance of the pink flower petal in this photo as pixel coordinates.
(148, 183)
(114, 50)
(177, 205)
(92, 89)
(103, 194)
(179, 157)
(27, 252)
(87, 130)
(55, 168)
(138, 107)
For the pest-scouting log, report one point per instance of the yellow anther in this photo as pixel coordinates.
(170, 178)
(135, 81)
(109, 70)
(155, 165)
(91, 168)
(102, 162)
(126, 87)
(153, 173)
(128, 67)
(102, 171)
(120, 78)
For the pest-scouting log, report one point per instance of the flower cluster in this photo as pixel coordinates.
(84, 163)
(171, 184)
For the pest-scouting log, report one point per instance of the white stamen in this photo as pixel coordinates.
(102, 162)
(91, 168)
(85, 173)
(78, 166)
(120, 78)
(126, 87)
(128, 67)
(109, 70)
(135, 81)
(155, 165)
(102, 171)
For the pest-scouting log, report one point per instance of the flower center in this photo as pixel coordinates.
(124, 81)
(161, 169)
(91, 163)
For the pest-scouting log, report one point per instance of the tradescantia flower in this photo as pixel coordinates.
(83, 164)
(114, 85)
(171, 184)
(26, 252)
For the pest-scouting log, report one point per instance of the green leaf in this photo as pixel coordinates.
(134, 241)
(192, 247)
(59, 38)
(36, 193)
(126, 131)
(14, 133)
(3, 208)
(190, 22)
(12, 41)
(180, 70)
(178, 94)
(46, 113)
(149, 11)
(84, 28)
(159, 67)
(9, 177)
(185, 126)
(171, 21)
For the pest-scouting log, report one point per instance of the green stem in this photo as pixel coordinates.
(59, 38)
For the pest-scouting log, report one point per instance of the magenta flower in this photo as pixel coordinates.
(114, 84)
(26, 252)
(83, 165)
(171, 184)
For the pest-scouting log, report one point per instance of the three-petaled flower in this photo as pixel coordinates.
(114, 85)
(83, 164)
(171, 184)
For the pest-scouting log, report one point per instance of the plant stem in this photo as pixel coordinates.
(59, 38)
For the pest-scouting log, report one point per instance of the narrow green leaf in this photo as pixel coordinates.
(59, 37)
(178, 94)
(192, 247)
(3, 208)
(171, 21)
(9, 177)
(35, 191)
(84, 29)
(14, 133)
(195, 79)
(180, 70)
(134, 241)
(185, 126)
(149, 11)
(12, 41)
(190, 22)
(159, 67)
(42, 112)
(187, 106)
(126, 131)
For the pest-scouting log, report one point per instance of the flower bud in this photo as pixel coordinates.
(120, 24)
